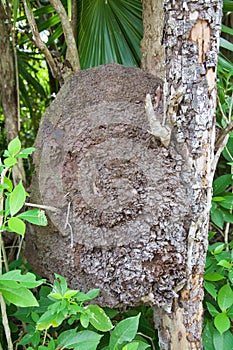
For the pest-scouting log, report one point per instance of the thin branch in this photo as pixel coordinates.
(6, 323)
(72, 51)
(45, 207)
(40, 44)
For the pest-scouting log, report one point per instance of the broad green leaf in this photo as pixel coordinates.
(14, 147)
(34, 216)
(20, 297)
(225, 264)
(225, 297)
(131, 346)
(33, 338)
(9, 184)
(212, 309)
(124, 332)
(10, 162)
(211, 289)
(17, 225)
(26, 152)
(84, 320)
(221, 184)
(93, 293)
(47, 320)
(222, 322)
(207, 336)
(17, 199)
(217, 216)
(219, 248)
(99, 319)
(28, 280)
(227, 202)
(213, 276)
(84, 340)
(223, 341)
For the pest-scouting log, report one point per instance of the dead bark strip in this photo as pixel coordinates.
(191, 38)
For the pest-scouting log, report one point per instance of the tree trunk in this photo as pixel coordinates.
(8, 91)
(190, 37)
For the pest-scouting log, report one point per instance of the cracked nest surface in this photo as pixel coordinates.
(122, 202)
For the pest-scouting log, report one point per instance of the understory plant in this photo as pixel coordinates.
(218, 303)
(15, 287)
(39, 315)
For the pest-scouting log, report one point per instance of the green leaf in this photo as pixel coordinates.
(211, 289)
(47, 320)
(212, 309)
(34, 216)
(131, 346)
(222, 341)
(227, 202)
(17, 198)
(207, 336)
(17, 225)
(225, 297)
(219, 248)
(93, 293)
(225, 264)
(213, 276)
(14, 147)
(110, 31)
(125, 331)
(10, 162)
(226, 29)
(28, 280)
(84, 320)
(98, 318)
(26, 152)
(221, 184)
(222, 322)
(217, 216)
(33, 338)
(20, 297)
(84, 340)
(226, 44)
(8, 183)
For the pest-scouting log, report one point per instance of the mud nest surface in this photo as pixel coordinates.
(121, 204)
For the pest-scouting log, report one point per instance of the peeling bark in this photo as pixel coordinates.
(191, 38)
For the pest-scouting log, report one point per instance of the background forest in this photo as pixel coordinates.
(103, 34)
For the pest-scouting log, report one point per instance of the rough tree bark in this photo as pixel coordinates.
(190, 37)
(8, 91)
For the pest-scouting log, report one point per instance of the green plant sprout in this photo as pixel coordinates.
(57, 307)
(15, 287)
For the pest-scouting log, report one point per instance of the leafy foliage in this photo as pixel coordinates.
(217, 332)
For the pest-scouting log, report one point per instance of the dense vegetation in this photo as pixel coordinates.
(55, 316)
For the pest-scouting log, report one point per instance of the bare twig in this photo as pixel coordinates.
(6, 323)
(40, 44)
(45, 207)
(72, 51)
(69, 225)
